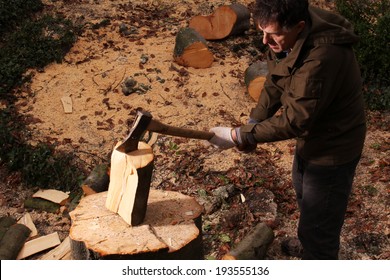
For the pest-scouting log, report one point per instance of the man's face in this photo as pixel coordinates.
(278, 38)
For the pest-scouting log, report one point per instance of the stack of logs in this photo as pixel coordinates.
(191, 48)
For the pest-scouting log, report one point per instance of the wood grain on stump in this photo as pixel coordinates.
(171, 229)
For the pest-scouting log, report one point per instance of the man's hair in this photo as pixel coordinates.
(286, 12)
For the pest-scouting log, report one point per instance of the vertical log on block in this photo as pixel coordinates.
(130, 177)
(191, 49)
(227, 20)
(254, 77)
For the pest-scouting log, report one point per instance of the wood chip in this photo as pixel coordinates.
(67, 104)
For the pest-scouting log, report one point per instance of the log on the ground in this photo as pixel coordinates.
(227, 20)
(254, 246)
(41, 204)
(130, 177)
(255, 76)
(171, 230)
(191, 49)
(5, 223)
(13, 241)
(98, 180)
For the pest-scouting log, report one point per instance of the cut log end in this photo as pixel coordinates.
(226, 21)
(191, 49)
(254, 77)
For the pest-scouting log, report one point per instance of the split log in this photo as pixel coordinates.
(38, 245)
(28, 222)
(13, 241)
(130, 177)
(58, 253)
(254, 246)
(171, 230)
(98, 180)
(227, 20)
(52, 195)
(255, 76)
(191, 49)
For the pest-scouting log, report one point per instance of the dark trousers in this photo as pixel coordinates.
(322, 196)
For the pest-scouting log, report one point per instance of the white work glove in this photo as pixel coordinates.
(222, 138)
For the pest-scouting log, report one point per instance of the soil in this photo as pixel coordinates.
(135, 40)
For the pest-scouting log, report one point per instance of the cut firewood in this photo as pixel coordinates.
(28, 222)
(58, 253)
(67, 104)
(98, 180)
(255, 76)
(171, 229)
(55, 196)
(130, 177)
(13, 241)
(38, 245)
(191, 49)
(227, 20)
(254, 246)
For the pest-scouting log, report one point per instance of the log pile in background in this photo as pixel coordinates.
(227, 20)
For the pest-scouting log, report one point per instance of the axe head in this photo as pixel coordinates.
(137, 130)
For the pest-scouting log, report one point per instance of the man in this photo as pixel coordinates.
(315, 80)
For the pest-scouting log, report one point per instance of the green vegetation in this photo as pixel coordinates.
(371, 20)
(30, 40)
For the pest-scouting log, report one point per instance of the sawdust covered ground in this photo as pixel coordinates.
(93, 74)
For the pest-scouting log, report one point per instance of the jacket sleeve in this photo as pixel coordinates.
(303, 95)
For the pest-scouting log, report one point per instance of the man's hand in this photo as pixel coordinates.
(222, 138)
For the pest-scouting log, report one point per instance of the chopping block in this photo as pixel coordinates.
(171, 229)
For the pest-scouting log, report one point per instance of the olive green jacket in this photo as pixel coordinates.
(318, 87)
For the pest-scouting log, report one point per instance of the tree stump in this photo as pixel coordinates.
(171, 229)
(227, 20)
(255, 76)
(191, 49)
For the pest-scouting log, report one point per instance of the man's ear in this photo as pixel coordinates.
(301, 26)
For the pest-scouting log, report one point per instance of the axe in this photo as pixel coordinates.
(144, 122)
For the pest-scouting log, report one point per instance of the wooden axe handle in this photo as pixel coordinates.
(156, 126)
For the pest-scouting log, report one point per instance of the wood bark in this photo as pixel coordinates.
(255, 76)
(130, 177)
(98, 180)
(191, 49)
(254, 246)
(171, 229)
(227, 20)
(5, 223)
(13, 241)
